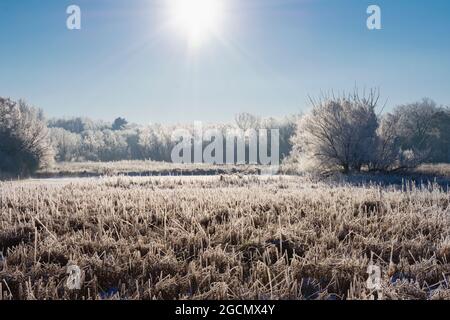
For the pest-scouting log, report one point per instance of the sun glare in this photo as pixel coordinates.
(197, 19)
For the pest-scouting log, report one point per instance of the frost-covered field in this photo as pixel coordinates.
(222, 237)
(154, 168)
(141, 168)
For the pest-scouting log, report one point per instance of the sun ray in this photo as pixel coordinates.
(197, 20)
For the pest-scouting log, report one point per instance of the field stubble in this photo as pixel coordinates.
(224, 237)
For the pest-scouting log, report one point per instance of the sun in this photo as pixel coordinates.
(198, 20)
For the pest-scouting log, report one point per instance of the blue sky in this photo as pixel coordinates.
(271, 55)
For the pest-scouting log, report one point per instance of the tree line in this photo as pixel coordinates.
(345, 133)
(81, 139)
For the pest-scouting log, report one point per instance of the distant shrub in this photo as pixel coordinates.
(24, 143)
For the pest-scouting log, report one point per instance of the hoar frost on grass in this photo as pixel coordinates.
(225, 237)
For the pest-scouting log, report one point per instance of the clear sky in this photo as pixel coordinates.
(266, 59)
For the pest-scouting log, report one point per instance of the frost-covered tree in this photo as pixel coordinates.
(345, 133)
(66, 144)
(114, 146)
(418, 123)
(119, 124)
(246, 121)
(390, 154)
(286, 127)
(339, 133)
(24, 142)
(93, 142)
(441, 148)
(78, 125)
(412, 134)
(388, 144)
(155, 142)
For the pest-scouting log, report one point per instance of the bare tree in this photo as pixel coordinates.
(390, 155)
(246, 121)
(340, 132)
(406, 136)
(388, 148)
